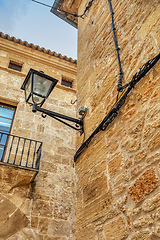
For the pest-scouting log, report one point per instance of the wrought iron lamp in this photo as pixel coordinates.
(37, 87)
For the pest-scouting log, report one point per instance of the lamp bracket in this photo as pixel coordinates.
(57, 116)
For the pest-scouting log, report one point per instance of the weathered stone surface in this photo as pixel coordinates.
(150, 22)
(12, 219)
(34, 222)
(140, 155)
(87, 232)
(153, 158)
(116, 229)
(144, 221)
(151, 203)
(25, 233)
(101, 236)
(43, 225)
(51, 194)
(145, 184)
(155, 142)
(97, 208)
(115, 165)
(62, 211)
(60, 228)
(142, 234)
(135, 171)
(43, 208)
(95, 189)
(133, 134)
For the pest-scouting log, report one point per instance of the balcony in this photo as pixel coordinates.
(20, 152)
(19, 161)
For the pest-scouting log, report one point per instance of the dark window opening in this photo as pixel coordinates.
(66, 82)
(15, 66)
(6, 118)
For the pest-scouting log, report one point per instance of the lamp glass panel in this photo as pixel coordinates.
(41, 85)
(28, 88)
(36, 99)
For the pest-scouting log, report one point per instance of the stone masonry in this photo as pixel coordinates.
(118, 174)
(38, 206)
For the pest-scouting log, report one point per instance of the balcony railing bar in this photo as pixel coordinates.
(28, 152)
(16, 151)
(38, 156)
(19, 136)
(18, 166)
(34, 153)
(10, 149)
(20, 151)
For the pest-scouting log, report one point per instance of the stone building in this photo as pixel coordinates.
(118, 169)
(35, 204)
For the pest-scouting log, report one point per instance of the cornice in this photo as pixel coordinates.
(36, 47)
(36, 56)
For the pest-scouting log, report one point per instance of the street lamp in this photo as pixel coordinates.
(37, 87)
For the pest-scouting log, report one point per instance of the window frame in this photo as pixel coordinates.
(67, 80)
(16, 64)
(5, 147)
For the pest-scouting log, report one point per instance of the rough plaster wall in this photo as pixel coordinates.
(118, 174)
(45, 210)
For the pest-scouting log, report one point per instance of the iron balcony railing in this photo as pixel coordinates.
(20, 152)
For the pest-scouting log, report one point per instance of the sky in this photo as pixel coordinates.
(35, 24)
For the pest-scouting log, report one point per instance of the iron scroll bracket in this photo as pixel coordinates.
(79, 123)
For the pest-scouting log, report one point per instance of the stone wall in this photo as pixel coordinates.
(118, 191)
(43, 208)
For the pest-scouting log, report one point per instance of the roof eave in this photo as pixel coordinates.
(55, 11)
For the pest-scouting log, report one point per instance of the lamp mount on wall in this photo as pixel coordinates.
(37, 87)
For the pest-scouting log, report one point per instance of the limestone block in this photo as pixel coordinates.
(155, 96)
(98, 169)
(49, 167)
(155, 142)
(97, 208)
(135, 130)
(127, 115)
(12, 219)
(87, 232)
(61, 228)
(95, 189)
(139, 156)
(153, 158)
(158, 230)
(136, 170)
(62, 211)
(121, 188)
(133, 146)
(144, 221)
(145, 184)
(121, 203)
(115, 165)
(142, 234)
(151, 203)
(134, 211)
(101, 236)
(43, 225)
(99, 153)
(25, 233)
(34, 222)
(116, 229)
(42, 208)
(158, 213)
(150, 22)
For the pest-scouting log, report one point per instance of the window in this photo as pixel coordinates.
(15, 66)
(66, 82)
(6, 119)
